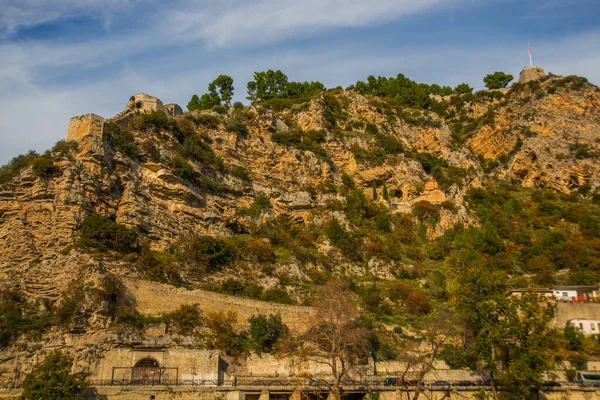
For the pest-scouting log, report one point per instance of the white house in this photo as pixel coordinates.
(542, 292)
(587, 326)
(575, 293)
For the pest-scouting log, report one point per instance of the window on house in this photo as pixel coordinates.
(592, 326)
(581, 325)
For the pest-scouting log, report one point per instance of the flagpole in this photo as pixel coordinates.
(529, 50)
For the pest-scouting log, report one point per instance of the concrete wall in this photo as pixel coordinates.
(568, 311)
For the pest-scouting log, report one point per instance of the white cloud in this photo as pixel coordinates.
(24, 13)
(241, 22)
(36, 118)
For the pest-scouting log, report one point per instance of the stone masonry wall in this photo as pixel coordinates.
(154, 298)
(84, 125)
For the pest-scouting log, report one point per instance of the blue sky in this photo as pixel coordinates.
(61, 58)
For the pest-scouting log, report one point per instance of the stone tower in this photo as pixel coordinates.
(531, 74)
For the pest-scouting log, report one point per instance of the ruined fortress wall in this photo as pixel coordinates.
(84, 125)
(156, 298)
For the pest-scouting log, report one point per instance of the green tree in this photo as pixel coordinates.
(497, 80)
(52, 379)
(463, 88)
(267, 85)
(194, 103)
(512, 337)
(224, 85)
(265, 331)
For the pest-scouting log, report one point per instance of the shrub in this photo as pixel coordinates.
(157, 270)
(266, 331)
(208, 120)
(103, 234)
(183, 169)
(240, 172)
(574, 338)
(212, 253)
(238, 288)
(342, 239)
(238, 105)
(16, 165)
(424, 209)
(287, 138)
(219, 109)
(417, 303)
(260, 204)
(238, 127)
(277, 295)
(121, 140)
(115, 297)
(44, 166)
(185, 319)
(64, 148)
(260, 250)
(371, 129)
(52, 379)
(348, 182)
(222, 335)
(196, 148)
(18, 317)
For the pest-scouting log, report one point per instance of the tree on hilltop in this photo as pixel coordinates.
(224, 84)
(220, 90)
(267, 85)
(463, 88)
(497, 80)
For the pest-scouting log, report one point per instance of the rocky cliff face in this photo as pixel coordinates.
(192, 174)
(544, 134)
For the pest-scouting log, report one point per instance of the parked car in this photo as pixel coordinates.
(319, 382)
(389, 381)
(465, 383)
(551, 384)
(440, 383)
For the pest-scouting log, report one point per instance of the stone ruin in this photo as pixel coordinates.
(144, 103)
(87, 126)
(531, 74)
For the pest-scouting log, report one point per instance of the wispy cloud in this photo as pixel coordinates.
(16, 14)
(265, 21)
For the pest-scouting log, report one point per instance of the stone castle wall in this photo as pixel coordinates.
(85, 125)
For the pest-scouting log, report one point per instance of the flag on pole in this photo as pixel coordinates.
(529, 50)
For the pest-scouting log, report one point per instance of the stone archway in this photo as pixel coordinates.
(146, 371)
